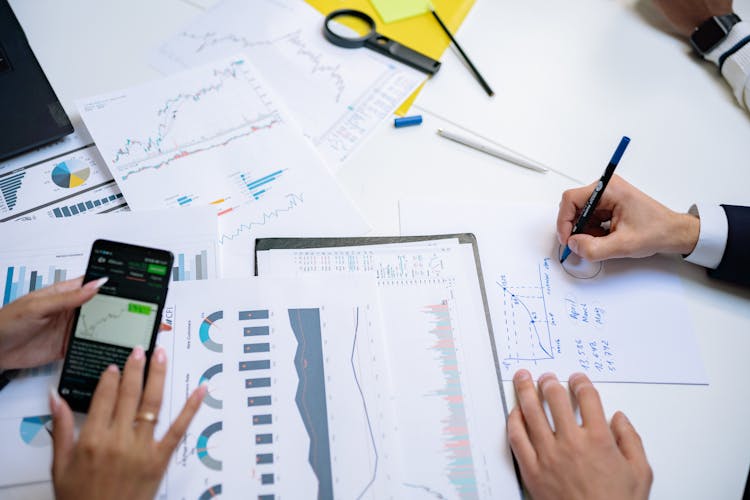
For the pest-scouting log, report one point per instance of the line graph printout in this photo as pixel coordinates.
(72, 184)
(304, 386)
(446, 389)
(337, 95)
(621, 321)
(216, 136)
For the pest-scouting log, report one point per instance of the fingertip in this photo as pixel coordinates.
(521, 376)
(160, 356)
(95, 285)
(54, 401)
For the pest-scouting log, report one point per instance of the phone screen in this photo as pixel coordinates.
(125, 313)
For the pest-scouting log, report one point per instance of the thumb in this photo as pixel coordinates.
(596, 248)
(67, 300)
(62, 433)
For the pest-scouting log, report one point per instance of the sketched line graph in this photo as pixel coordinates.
(314, 62)
(526, 323)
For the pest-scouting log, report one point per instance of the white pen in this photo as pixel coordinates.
(508, 155)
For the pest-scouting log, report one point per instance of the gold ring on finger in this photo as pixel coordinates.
(146, 416)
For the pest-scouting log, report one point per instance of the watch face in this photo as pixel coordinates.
(708, 35)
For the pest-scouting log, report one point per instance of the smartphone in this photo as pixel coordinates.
(125, 313)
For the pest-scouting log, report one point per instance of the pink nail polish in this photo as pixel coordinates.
(138, 353)
(160, 356)
(96, 284)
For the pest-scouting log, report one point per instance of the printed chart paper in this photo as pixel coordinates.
(73, 184)
(450, 413)
(621, 321)
(298, 390)
(338, 96)
(217, 136)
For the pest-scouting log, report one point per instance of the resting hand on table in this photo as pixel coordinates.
(589, 461)
(116, 455)
(639, 226)
(686, 15)
(34, 329)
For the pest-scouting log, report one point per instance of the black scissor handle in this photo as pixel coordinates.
(401, 53)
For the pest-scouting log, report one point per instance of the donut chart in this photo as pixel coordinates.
(202, 446)
(70, 173)
(210, 399)
(213, 491)
(207, 327)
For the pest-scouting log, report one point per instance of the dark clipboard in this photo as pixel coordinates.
(264, 244)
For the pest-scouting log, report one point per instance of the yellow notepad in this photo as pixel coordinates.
(421, 33)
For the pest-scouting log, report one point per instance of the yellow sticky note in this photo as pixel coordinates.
(421, 33)
(396, 10)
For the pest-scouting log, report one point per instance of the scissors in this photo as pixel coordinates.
(374, 41)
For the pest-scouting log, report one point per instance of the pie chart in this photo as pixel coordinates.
(70, 173)
(33, 431)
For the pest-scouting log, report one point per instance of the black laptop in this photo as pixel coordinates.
(30, 113)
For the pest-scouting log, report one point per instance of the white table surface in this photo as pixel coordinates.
(570, 79)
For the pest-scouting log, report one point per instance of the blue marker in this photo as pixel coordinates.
(407, 121)
(593, 201)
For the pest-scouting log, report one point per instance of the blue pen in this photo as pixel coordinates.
(596, 195)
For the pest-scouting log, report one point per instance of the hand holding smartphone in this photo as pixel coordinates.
(125, 313)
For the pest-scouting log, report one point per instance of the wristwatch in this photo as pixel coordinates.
(712, 32)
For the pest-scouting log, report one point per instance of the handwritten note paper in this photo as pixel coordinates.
(620, 321)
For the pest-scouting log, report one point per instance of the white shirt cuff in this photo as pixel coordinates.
(736, 69)
(712, 240)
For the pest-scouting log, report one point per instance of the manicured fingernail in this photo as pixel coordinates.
(573, 245)
(138, 353)
(96, 284)
(113, 369)
(522, 375)
(54, 400)
(160, 356)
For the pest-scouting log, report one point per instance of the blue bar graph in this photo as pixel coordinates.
(19, 283)
(184, 200)
(264, 458)
(79, 208)
(9, 186)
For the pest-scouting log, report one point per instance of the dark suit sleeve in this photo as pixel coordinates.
(735, 264)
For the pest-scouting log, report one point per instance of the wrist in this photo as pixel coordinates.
(683, 234)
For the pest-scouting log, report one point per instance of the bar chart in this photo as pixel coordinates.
(257, 187)
(20, 280)
(255, 368)
(192, 267)
(10, 184)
